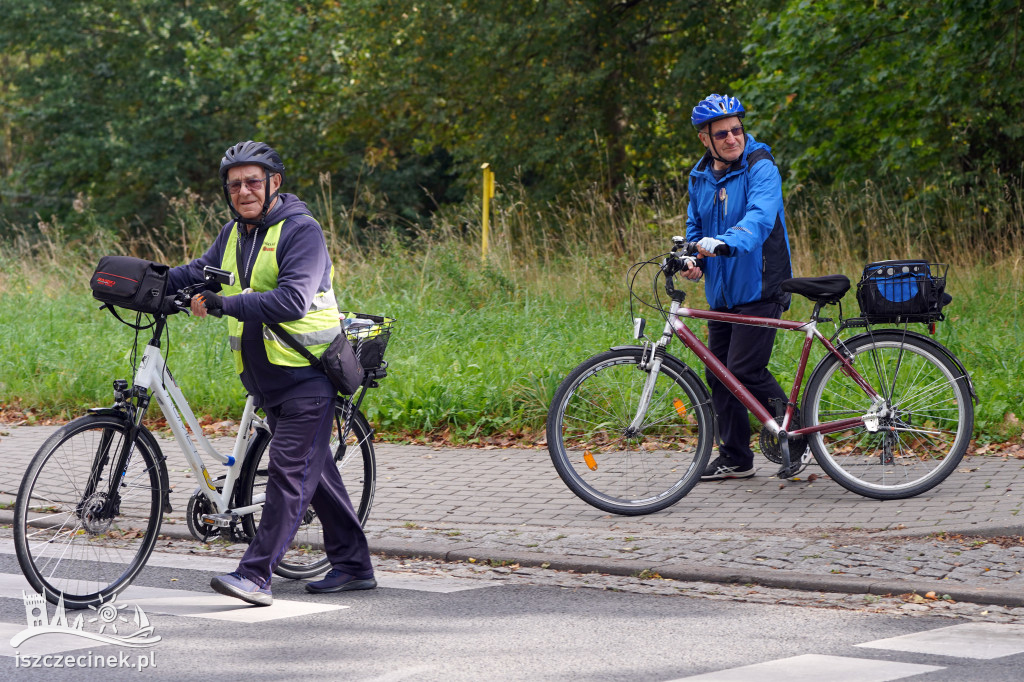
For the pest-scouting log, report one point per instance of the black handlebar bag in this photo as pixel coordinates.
(131, 283)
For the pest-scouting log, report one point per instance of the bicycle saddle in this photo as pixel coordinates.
(827, 289)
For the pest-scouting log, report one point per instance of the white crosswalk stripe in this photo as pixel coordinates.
(208, 605)
(969, 640)
(814, 668)
(980, 641)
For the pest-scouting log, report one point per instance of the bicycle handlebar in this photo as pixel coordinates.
(683, 257)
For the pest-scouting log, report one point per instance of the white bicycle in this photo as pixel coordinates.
(92, 500)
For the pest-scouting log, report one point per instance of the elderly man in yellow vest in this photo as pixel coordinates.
(283, 276)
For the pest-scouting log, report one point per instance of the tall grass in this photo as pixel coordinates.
(482, 342)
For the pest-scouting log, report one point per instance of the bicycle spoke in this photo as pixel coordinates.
(922, 427)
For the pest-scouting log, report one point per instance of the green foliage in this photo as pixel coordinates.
(582, 89)
(121, 104)
(925, 90)
(115, 104)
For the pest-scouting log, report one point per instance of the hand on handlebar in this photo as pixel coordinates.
(711, 247)
(205, 302)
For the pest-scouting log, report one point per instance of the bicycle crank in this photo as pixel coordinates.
(771, 448)
(198, 507)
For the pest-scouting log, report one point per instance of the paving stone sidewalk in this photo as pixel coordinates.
(508, 505)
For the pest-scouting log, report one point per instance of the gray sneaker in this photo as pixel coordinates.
(721, 469)
(238, 586)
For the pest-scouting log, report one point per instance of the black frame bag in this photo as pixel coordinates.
(131, 283)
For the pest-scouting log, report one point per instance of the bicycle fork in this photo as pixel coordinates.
(650, 362)
(92, 509)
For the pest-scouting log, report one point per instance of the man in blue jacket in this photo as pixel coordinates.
(736, 217)
(283, 275)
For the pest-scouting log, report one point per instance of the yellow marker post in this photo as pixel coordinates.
(488, 194)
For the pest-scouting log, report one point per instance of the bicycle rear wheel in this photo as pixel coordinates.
(607, 465)
(356, 462)
(923, 432)
(68, 541)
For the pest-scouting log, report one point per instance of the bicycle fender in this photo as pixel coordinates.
(929, 341)
(161, 460)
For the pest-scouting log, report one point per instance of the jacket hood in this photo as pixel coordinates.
(287, 206)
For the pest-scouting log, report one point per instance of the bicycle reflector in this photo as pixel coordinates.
(638, 327)
(589, 459)
(680, 407)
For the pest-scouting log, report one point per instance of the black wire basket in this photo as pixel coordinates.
(369, 335)
(903, 291)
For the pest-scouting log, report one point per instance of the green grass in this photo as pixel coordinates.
(478, 349)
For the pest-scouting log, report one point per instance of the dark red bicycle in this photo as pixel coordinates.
(887, 412)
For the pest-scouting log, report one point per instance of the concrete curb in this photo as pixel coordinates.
(688, 572)
(791, 580)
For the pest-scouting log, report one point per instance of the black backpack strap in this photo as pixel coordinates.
(758, 155)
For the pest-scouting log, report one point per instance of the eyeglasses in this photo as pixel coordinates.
(722, 134)
(252, 184)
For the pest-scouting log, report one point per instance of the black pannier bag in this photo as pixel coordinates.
(131, 283)
(903, 291)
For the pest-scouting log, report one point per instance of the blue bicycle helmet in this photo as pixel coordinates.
(714, 107)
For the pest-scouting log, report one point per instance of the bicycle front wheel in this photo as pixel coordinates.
(70, 540)
(622, 470)
(356, 462)
(916, 437)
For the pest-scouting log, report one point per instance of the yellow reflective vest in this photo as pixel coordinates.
(314, 331)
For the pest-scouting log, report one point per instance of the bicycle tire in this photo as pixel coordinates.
(62, 549)
(629, 475)
(915, 448)
(356, 461)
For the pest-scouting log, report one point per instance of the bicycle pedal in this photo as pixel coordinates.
(791, 471)
(219, 520)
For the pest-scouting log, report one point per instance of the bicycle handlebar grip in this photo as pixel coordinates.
(168, 306)
(722, 250)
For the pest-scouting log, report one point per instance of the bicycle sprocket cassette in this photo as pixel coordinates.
(771, 449)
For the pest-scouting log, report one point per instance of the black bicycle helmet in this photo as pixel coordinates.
(245, 154)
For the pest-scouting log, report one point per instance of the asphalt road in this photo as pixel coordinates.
(432, 621)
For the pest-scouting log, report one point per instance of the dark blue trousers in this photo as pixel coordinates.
(302, 472)
(745, 351)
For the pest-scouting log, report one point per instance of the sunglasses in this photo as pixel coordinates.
(252, 184)
(722, 134)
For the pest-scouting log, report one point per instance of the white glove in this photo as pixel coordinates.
(709, 244)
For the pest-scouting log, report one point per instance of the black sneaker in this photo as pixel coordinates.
(720, 469)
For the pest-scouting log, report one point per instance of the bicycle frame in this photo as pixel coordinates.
(675, 326)
(154, 376)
